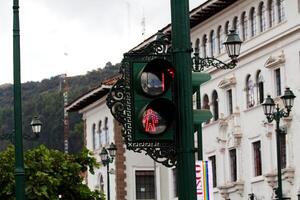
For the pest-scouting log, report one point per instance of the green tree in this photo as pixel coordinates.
(49, 173)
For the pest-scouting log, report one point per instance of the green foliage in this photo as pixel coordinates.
(48, 174)
(45, 98)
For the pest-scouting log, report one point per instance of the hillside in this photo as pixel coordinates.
(45, 99)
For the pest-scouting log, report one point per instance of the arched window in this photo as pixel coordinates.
(235, 24)
(106, 130)
(99, 132)
(197, 44)
(212, 39)
(206, 104)
(204, 45)
(94, 136)
(244, 24)
(100, 182)
(262, 17)
(260, 87)
(281, 12)
(271, 12)
(220, 39)
(252, 17)
(249, 92)
(215, 105)
(226, 28)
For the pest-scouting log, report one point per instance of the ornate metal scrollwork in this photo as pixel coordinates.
(120, 102)
(199, 64)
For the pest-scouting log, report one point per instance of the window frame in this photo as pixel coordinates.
(252, 18)
(257, 158)
(215, 104)
(262, 17)
(229, 98)
(152, 192)
(213, 160)
(233, 164)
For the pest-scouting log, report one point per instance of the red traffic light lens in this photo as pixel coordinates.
(156, 77)
(158, 116)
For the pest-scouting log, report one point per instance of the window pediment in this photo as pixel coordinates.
(227, 82)
(274, 61)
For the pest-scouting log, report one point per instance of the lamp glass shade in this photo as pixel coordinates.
(112, 150)
(36, 125)
(268, 106)
(288, 98)
(233, 44)
(104, 155)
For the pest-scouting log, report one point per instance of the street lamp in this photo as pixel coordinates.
(273, 112)
(106, 158)
(233, 46)
(36, 126)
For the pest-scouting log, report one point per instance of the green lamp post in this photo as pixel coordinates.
(273, 112)
(107, 156)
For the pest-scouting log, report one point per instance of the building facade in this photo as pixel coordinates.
(238, 140)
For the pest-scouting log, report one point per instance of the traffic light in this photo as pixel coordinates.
(153, 100)
(200, 115)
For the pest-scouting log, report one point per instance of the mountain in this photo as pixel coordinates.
(45, 99)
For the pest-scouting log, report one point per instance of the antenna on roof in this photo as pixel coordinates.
(143, 24)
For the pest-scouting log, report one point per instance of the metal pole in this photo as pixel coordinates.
(19, 162)
(108, 184)
(181, 48)
(277, 119)
(199, 129)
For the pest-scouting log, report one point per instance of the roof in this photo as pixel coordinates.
(92, 96)
(197, 16)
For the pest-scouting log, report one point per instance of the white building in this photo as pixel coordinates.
(239, 141)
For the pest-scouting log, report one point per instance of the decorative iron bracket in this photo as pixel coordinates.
(199, 64)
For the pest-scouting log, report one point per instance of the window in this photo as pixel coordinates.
(204, 46)
(215, 105)
(99, 132)
(233, 165)
(260, 87)
(94, 136)
(244, 24)
(281, 12)
(206, 104)
(100, 182)
(106, 130)
(252, 22)
(214, 169)
(197, 45)
(229, 101)
(144, 185)
(212, 43)
(235, 24)
(262, 17)
(175, 190)
(277, 82)
(226, 29)
(257, 158)
(282, 138)
(249, 92)
(271, 12)
(220, 39)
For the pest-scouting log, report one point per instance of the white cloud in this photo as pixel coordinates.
(91, 32)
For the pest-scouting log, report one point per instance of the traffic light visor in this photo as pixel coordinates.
(156, 77)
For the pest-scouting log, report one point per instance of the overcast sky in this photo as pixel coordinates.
(76, 36)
